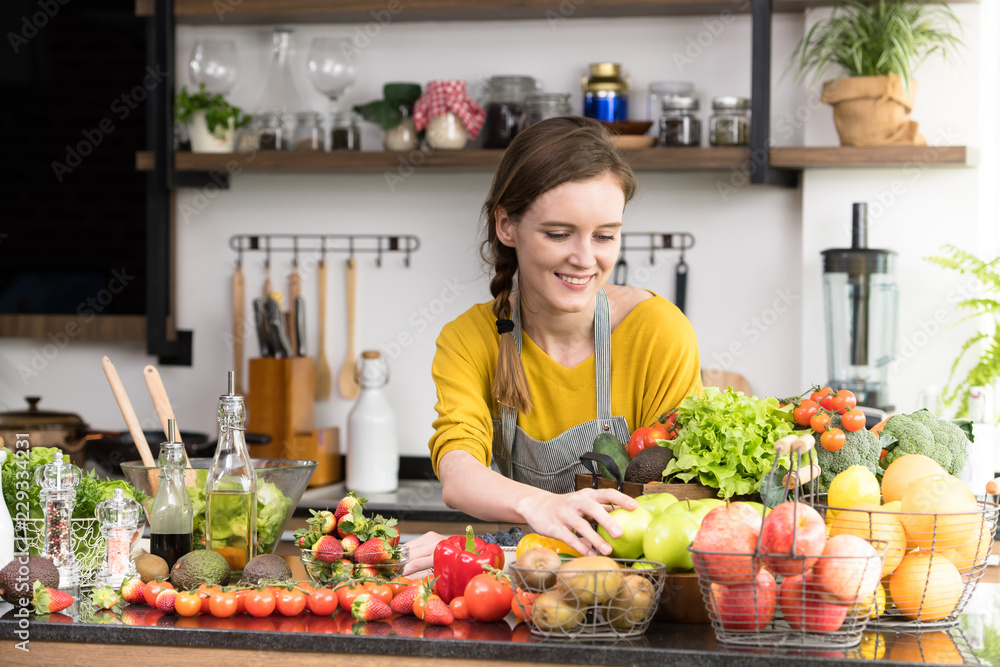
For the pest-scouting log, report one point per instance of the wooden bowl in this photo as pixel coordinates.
(631, 141)
(682, 601)
(629, 126)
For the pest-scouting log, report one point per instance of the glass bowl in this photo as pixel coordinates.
(287, 476)
(323, 574)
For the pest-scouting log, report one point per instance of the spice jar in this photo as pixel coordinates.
(660, 90)
(605, 93)
(279, 100)
(272, 132)
(402, 137)
(120, 518)
(730, 121)
(308, 134)
(344, 132)
(539, 106)
(679, 124)
(504, 108)
(449, 116)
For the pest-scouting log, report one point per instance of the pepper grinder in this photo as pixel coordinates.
(58, 481)
(119, 517)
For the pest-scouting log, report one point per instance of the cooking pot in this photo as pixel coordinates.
(45, 428)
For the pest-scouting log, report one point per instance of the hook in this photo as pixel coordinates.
(350, 247)
(652, 250)
(239, 257)
(322, 248)
(378, 257)
(295, 251)
(406, 257)
(267, 252)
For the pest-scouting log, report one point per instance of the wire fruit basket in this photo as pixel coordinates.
(591, 598)
(89, 544)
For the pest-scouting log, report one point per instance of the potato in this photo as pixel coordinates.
(632, 603)
(550, 613)
(535, 570)
(589, 580)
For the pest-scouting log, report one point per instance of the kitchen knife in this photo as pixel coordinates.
(300, 326)
(680, 287)
(260, 323)
(276, 328)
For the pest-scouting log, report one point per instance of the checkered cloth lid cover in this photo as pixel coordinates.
(443, 96)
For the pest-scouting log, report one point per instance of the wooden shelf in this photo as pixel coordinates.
(872, 156)
(363, 11)
(76, 327)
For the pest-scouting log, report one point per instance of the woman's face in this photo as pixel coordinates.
(567, 244)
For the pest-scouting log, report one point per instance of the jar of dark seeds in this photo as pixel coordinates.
(730, 121)
(679, 124)
(344, 132)
(308, 134)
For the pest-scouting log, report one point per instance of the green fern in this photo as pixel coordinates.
(986, 369)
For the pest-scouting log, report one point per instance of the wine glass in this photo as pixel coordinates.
(330, 71)
(214, 63)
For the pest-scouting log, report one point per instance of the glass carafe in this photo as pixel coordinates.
(279, 99)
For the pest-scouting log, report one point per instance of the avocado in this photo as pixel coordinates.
(266, 567)
(15, 585)
(609, 445)
(151, 567)
(648, 465)
(200, 567)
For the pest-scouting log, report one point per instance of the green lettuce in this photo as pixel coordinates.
(726, 440)
(272, 508)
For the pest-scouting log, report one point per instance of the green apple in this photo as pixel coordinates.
(633, 524)
(757, 506)
(656, 502)
(693, 508)
(667, 539)
(712, 502)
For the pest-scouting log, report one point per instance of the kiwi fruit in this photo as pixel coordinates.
(17, 579)
(266, 567)
(589, 580)
(535, 570)
(551, 613)
(632, 603)
(151, 568)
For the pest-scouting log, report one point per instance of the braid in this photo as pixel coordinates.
(510, 386)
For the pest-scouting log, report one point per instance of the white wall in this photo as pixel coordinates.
(753, 293)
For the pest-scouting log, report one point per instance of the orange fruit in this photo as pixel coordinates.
(866, 521)
(905, 470)
(972, 550)
(939, 512)
(925, 586)
(937, 648)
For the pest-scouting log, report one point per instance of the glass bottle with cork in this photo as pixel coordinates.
(231, 490)
(171, 520)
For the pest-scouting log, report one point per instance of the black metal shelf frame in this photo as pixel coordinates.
(322, 244)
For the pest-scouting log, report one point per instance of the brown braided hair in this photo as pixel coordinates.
(541, 157)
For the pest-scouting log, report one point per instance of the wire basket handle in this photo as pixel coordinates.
(993, 487)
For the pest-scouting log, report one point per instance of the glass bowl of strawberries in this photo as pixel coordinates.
(326, 570)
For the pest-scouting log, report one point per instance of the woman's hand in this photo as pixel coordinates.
(567, 516)
(421, 553)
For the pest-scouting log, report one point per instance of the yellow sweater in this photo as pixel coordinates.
(654, 365)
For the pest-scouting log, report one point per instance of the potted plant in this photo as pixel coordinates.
(212, 122)
(878, 46)
(986, 369)
(393, 113)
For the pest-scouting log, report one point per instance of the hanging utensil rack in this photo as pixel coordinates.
(378, 244)
(657, 241)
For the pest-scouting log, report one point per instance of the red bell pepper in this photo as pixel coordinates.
(459, 558)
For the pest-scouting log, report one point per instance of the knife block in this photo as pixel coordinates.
(323, 447)
(281, 403)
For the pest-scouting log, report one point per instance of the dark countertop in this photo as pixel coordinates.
(974, 640)
(414, 500)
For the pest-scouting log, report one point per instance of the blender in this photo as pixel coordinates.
(861, 298)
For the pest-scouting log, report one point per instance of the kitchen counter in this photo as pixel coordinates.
(298, 640)
(414, 500)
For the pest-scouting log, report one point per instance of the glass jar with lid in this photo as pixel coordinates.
(308, 133)
(660, 90)
(272, 133)
(345, 135)
(679, 124)
(504, 108)
(539, 106)
(730, 121)
(605, 93)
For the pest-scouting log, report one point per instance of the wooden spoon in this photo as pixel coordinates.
(294, 290)
(118, 389)
(238, 299)
(324, 378)
(348, 387)
(161, 403)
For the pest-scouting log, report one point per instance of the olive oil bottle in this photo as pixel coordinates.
(231, 488)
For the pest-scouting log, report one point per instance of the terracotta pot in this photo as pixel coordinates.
(873, 111)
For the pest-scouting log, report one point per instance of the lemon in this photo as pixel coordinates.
(873, 606)
(855, 485)
(872, 645)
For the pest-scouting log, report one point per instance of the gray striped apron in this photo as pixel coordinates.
(552, 464)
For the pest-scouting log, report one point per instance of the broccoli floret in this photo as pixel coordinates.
(861, 448)
(903, 435)
(950, 441)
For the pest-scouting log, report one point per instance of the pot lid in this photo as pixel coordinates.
(34, 419)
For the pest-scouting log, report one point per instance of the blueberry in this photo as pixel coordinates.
(488, 538)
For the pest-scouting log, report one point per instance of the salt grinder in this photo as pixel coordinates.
(119, 517)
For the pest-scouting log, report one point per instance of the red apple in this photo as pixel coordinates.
(849, 570)
(723, 550)
(792, 538)
(746, 607)
(804, 609)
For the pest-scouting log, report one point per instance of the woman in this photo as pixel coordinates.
(526, 382)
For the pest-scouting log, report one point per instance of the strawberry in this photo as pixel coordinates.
(104, 597)
(374, 629)
(135, 615)
(403, 603)
(392, 535)
(165, 600)
(323, 521)
(49, 600)
(370, 608)
(350, 543)
(347, 504)
(407, 626)
(355, 523)
(305, 539)
(328, 549)
(437, 612)
(133, 590)
(374, 551)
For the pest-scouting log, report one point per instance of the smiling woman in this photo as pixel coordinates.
(527, 381)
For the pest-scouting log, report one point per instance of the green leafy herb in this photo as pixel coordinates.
(272, 509)
(218, 112)
(387, 113)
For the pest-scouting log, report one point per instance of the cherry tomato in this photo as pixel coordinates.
(420, 604)
(153, 589)
(670, 424)
(291, 602)
(637, 442)
(833, 440)
(820, 422)
(488, 599)
(206, 591)
(843, 401)
(821, 393)
(323, 602)
(380, 591)
(222, 605)
(187, 604)
(459, 609)
(802, 414)
(260, 603)
(241, 601)
(347, 593)
(853, 420)
(399, 584)
(522, 600)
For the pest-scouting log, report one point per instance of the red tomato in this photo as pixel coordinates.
(670, 424)
(241, 601)
(187, 604)
(323, 602)
(802, 414)
(290, 602)
(843, 401)
(206, 591)
(347, 593)
(399, 584)
(853, 420)
(420, 604)
(459, 609)
(637, 442)
(260, 603)
(526, 601)
(153, 589)
(380, 591)
(488, 599)
(833, 440)
(820, 422)
(222, 605)
(821, 393)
